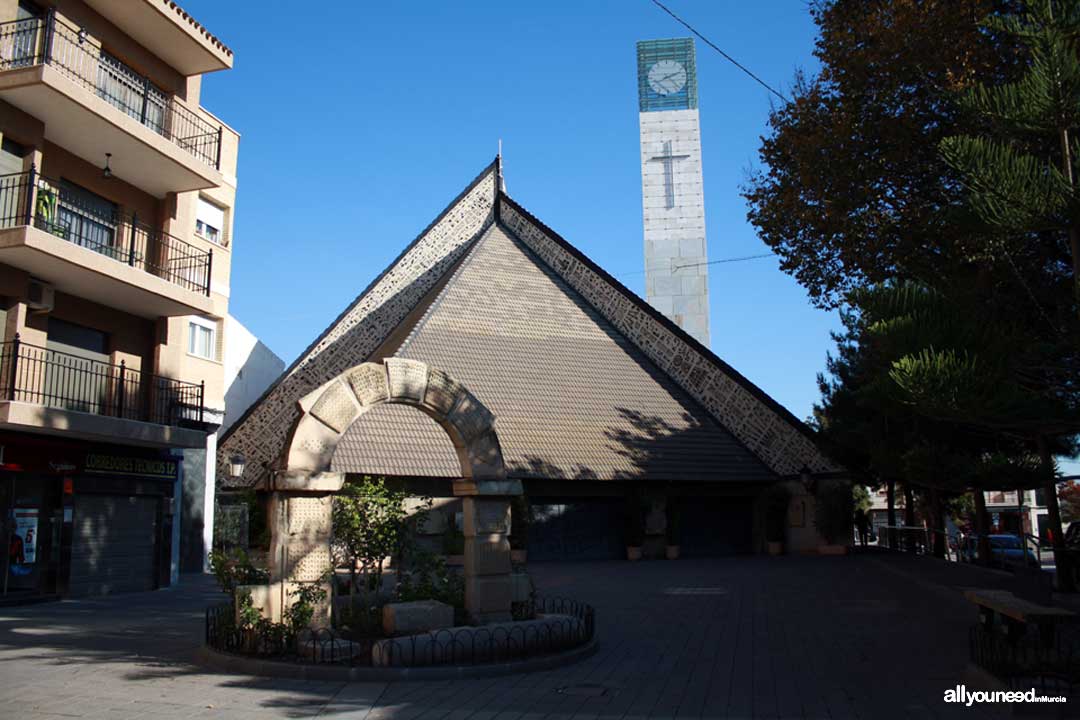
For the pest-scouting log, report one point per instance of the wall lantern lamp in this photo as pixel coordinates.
(237, 463)
(107, 171)
(807, 479)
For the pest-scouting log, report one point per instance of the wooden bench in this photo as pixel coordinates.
(1016, 614)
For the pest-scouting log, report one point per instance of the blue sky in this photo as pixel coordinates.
(359, 125)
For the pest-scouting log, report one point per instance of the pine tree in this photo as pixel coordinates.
(1021, 176)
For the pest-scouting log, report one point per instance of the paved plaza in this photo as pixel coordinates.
(751, 637)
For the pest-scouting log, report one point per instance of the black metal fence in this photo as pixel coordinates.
(561, 625)
(28, 198)
(33, 374)
(1048, 661)
(80, 58)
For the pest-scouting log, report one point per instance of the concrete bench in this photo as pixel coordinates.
(1001, 607)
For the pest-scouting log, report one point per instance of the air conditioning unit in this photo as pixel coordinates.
(41, 296)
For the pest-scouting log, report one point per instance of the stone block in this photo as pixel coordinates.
(442, 391)
(336, 407)
(414, 617)
(488, 595)
(487, 555)
(368, 383)
(408, 379)
(487, 643)
(486, 516)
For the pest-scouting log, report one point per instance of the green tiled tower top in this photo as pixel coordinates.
(673, 84)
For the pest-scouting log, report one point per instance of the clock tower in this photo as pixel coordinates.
(676, 276)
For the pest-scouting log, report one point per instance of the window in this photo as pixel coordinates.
(210, 222)
(202, 338)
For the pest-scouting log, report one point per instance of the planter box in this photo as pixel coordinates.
(519, 557)
(832, 549)
(414, 617)
(671, 552)
(633, 553)
(776, 548)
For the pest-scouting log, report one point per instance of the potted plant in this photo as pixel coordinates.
(777, 500)
(635, 528)
(671, 530)
(833, 508)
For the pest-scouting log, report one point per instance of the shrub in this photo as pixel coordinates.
(673, 524)
(429, 579)
(233, 568)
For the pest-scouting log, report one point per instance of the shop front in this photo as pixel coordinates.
(83, 519)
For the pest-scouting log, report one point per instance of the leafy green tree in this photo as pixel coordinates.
(371, 524)
(853, 190)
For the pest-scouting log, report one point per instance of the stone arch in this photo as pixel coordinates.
(302, 484)
(328, 411)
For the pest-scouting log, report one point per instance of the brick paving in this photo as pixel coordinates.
(796, 637)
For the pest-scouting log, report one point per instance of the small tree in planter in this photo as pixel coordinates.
(777, 500)
(833, 512)
(371, 523)
(672, 529)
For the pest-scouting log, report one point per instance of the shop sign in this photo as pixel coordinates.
(22, 547)
(103, 464)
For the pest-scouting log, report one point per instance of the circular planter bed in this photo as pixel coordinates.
(559, 629)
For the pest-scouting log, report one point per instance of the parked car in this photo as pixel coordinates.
(1005, 551)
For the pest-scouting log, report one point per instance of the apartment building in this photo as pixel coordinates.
(116, 197)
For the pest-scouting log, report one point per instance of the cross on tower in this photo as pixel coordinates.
(669, 172)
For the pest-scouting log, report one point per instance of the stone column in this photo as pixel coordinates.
(488, 590)
(301, 523)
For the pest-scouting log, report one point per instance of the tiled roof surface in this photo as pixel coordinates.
(397, 440)
(572, 397)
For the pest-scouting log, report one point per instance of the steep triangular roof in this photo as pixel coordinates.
(572, 397)
(715, 424)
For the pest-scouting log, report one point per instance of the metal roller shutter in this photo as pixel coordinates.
(114, 544)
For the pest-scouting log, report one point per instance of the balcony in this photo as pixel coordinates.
(51, 391)
(48, 229)
(93, 103)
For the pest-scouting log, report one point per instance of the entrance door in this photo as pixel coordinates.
(715, 526)
(114, 545)
(576, 529)
(31, 522)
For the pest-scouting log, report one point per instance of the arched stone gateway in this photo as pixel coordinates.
(302, 485)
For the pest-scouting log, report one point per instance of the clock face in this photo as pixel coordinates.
(667, 77)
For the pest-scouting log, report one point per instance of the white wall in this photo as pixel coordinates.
(250, 367)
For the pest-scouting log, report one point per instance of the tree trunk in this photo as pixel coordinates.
(909, 518)
(1074, 236)
(890, 491)
(1065, 580)
(937, 518)
(891, 496)
(982, 527)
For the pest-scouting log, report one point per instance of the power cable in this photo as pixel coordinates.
(727, 57)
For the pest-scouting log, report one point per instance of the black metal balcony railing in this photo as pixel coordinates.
(30, 199)
(38, 375)
(48, 41)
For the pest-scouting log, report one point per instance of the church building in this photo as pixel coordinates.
(604, 408)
